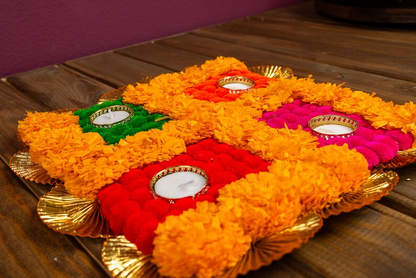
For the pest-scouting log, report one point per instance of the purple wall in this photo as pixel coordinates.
(37, 33)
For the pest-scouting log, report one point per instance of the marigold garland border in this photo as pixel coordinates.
(378, 185)
(345, 197)
(58, 111)
(122, 258)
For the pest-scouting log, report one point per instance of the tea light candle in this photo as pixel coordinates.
(330, 126)
(112, 115)
(236, 84)
(179, 182)
(334, 129)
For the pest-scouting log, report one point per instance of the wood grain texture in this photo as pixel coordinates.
(58, 89)
(361, 53)
(363, 243)
(306, 12)
(115, 69)
(403, 34)
(407, 184)
(16, 103)
(30, 249)
(171, 58)
(13, 109)
(403, 197)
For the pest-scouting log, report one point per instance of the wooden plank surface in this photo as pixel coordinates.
(58, 89)
(362, 53)
(11, 112)
(45, 89)
(324, 44)
(29, 248)
(348, 246)
(171, 58)
(403, 197)
(114, 69)
(306, 13)
(376, 241)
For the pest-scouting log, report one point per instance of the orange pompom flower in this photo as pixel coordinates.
(200, 242)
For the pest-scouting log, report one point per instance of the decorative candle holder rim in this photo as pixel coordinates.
(332, 119)
(236, 79)
(178, 169)
(102, 111)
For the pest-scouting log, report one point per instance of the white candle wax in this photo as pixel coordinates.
(179, 185)
(236, 86)
(111, 117)
(333, 129)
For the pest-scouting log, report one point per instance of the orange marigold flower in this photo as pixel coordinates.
(320, 176)
(261, 204)
(201, 242)
(284, 144)
(34, 122)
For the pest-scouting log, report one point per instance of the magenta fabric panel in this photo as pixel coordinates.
(37, 33)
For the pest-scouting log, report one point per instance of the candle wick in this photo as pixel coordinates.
(111, 114)
(182, 185)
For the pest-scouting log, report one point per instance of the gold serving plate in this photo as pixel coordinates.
(67, 214)
(272, 248)
(22, 165)
(273, 71)
(378, 185)
(124, 260)
(402, 159)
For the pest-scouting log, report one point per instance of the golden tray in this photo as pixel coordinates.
(66, 214)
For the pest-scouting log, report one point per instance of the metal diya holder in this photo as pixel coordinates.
(175, 170)
(326, 120)
(236, 84)
(109, 109)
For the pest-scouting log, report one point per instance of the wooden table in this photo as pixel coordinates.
(376, 241)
